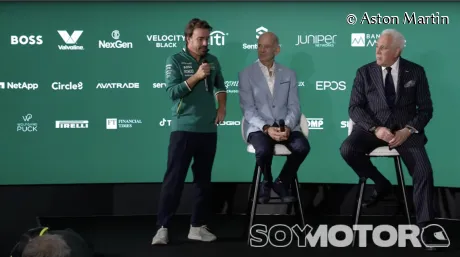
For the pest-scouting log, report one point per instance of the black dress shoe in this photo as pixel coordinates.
(281, 189)
(376, 197)
(265, 188)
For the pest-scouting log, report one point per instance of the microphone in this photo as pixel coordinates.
(206, 78)
(282, 125)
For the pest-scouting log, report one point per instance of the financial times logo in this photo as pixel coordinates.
(217, 38)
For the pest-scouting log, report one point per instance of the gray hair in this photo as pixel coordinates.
(47, 246)
(398, 40)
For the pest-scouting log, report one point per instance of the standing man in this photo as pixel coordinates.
(268, 94)
(391, 105)
(193, 81)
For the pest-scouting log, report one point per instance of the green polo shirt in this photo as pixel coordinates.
(193, 110)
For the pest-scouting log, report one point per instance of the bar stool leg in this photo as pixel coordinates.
(360, 193)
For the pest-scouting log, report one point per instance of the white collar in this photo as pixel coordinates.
(394, 67)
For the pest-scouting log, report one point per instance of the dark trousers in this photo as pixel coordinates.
(360, 142)
(183, 146)
(297, 143)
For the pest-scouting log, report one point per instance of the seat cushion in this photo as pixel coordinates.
(384, 151)
(280, 150)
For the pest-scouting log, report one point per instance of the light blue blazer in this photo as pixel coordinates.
(258, 105)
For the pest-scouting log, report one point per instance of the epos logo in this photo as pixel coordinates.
(331, 85)
(217, 38)
(26, 40)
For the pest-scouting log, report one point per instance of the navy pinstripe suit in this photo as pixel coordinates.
(413, 107)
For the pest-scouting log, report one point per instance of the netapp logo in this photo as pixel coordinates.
(70, 40)
(129, 85)
(26, 40)
(67, 86)
(331, 85)
(118, 44)
(18, 85)
(72, 124)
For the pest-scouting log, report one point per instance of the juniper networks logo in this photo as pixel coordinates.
(70, 40)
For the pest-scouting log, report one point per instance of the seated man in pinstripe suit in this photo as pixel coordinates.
(391, 105)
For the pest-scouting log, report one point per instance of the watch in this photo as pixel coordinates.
(411, 130)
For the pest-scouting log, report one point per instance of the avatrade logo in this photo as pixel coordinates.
(117, 85)
(18, 85)
(117, 44)
(70, 40)
(26, 40)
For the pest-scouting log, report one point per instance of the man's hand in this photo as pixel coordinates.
(285, 134)
(220, 115)
(203, 71)
(275, 133)
(400, 137)
(384, 134)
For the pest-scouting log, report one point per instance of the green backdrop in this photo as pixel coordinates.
(40, 153)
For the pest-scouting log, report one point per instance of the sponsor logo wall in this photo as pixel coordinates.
(102, 79)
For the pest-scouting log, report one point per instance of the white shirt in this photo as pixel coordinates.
(267, 72)
(394, 74)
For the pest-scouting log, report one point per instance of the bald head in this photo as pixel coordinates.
(269, 36)
(268, 47)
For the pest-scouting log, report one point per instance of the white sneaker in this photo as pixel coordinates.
(201, 234)
(161, 237)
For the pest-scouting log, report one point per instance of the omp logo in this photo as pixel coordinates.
(260, 30)
(217, 38)
(230, 123)
(72, 124)
(331, 85)
(18, 85)
(159, 85)
(26, 40)
(315, 123)
(70, 40)
(117, 44)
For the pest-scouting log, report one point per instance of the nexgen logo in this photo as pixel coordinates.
(70, 39)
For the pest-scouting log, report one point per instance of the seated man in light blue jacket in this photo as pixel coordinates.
(269, 96)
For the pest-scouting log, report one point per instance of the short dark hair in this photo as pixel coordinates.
(47, 246)
(196, 23)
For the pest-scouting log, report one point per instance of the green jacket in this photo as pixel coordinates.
(193, 110)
